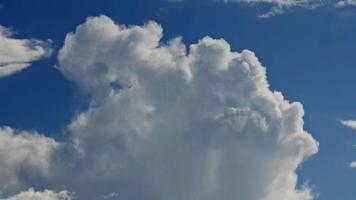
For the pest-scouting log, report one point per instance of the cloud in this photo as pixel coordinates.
(17, 54)
(21, 153)
(353, 164)
(165, 121)
(344, 3)
(31, 194)
(279, 7)
(349, 123)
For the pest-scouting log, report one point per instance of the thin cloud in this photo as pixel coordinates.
(352, 164)
(349, 123)
(279, 7)
(17, 54)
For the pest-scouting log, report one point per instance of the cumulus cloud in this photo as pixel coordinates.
(17, 54)
(31, 194)
(23, 152)
(349, 123)
(167, 121)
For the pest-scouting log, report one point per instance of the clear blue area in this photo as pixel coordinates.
(309, 55)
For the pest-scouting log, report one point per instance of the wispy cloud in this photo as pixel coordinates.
(279, 7)
(17, 54)
(349, 123)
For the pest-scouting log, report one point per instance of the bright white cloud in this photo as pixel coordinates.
(23, 153)
(17, 54)
(165, 121)
(349, 123)
(170, 123)
(31, 194)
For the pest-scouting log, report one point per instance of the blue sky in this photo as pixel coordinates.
(308, 54)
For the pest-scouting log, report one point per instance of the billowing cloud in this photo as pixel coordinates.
(349, 123)
(23, 153)
(31, 194)
(165, 121)
(17, 54)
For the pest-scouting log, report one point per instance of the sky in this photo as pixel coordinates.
(183, 99)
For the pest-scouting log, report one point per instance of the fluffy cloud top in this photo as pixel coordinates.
(16, 54)
(165, 122)
(31, 194)
(23, 153)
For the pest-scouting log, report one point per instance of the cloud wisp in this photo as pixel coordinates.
(17, 54)
(349, 123)
(279, 7)
(167, 121)
(353, 164)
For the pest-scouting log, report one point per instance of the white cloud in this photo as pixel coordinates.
(278, 7)
(31, 194)
(349, 123)
(165, 121)
(344, 3)
(353, 164)
(170, 123)
(23, 152)
(281, 6)
(17, 54)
